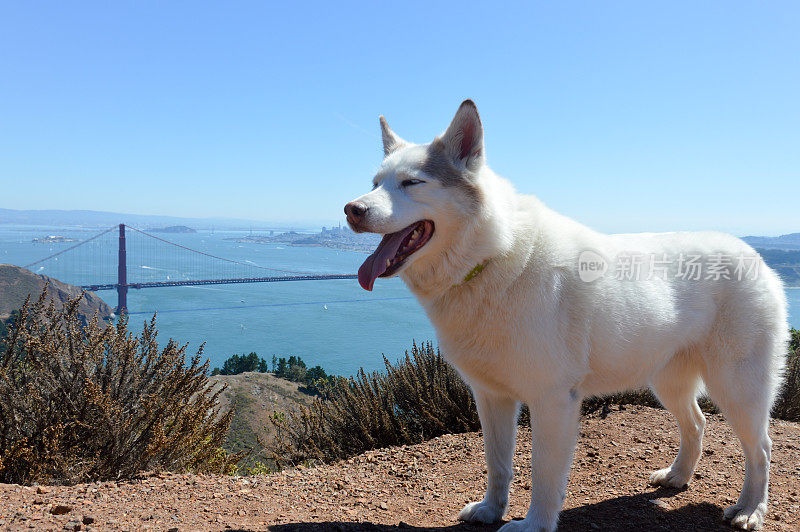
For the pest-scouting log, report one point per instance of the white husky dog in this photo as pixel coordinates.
(533, 307)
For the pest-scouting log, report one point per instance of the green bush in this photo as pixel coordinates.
(82, 403)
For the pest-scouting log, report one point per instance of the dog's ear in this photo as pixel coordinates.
(390, 139)
(463, 140)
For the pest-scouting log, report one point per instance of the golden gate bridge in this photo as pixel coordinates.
(91, 264)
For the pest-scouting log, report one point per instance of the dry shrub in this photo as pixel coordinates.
(418, 398)
(422, 397)
(91, 402)
(788, 404)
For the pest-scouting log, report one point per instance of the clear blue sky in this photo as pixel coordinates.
(629, 116)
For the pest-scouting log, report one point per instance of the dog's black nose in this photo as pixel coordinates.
(355, 211)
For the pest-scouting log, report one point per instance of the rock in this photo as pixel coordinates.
(60, 509)
(42, 490)
(88, 519)
(661, 504)
(73, 524)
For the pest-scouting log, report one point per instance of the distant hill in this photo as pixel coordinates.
(790, 241)
(781, 253)
(174, 229)
(17, 283)
(84, 218)
(785, 262)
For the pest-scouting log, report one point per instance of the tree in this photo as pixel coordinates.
(297, 373)
(281, 371)
(316, 373)
(237, 364)
(296, 361)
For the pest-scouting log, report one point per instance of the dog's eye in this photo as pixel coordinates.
(410, 182)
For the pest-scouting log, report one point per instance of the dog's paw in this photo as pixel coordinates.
(745, 516)
(670, 478)
(527, 525)
(481, 512)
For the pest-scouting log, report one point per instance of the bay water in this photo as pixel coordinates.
(335, 324)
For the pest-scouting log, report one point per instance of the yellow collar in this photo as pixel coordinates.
(475, 271)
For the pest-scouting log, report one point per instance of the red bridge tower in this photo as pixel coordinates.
(122, 274)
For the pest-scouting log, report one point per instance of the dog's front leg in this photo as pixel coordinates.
(498, 417)
(554, 420)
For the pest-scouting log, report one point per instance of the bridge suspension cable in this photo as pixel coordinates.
(79, 244)
(132, 263)
(214, 256)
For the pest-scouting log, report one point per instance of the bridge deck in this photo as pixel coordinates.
(159, 284)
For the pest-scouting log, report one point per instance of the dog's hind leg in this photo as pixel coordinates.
(744, 388)
(676, 386)
(498, 417)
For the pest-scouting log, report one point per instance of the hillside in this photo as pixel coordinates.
(17, 283)
(790, 241)
(785, 262)
(255, 397)
(422, 487)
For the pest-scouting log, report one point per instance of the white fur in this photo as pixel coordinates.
(528, 330)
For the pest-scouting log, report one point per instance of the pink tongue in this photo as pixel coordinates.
(375, 264)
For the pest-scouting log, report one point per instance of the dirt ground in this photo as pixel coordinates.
(423, 487)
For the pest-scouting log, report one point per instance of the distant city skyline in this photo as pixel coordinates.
(626, 116)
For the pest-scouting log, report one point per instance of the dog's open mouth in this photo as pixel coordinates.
(392, 252)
